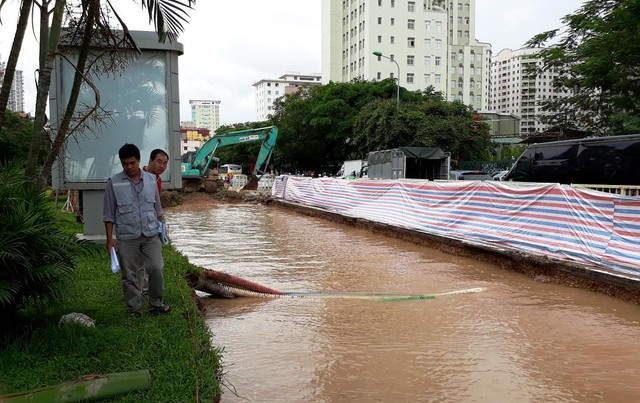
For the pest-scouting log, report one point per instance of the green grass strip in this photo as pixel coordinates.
(408, 298)
(36, 352)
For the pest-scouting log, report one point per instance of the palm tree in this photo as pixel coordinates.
(167, 16)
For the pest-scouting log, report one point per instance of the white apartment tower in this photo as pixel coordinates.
(517, 89)
(267, 91)
(16, 95)
(433, 42)
(205, 114)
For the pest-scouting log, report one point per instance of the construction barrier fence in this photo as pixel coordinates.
(557, 221)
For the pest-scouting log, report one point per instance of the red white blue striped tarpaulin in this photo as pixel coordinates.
(557, 221)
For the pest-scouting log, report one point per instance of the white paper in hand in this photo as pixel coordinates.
(115, 266)
(162, 229)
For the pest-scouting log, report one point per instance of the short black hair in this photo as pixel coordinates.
(128, 151)
(157, 151)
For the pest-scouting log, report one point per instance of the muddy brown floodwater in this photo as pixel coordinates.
(517, 341)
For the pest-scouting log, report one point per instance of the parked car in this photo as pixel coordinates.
(469, 176)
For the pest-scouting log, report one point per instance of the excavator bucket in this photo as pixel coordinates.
(252, 183)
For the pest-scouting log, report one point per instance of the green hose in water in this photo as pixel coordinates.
(240, 292)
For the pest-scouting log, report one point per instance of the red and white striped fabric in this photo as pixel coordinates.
(557, 221)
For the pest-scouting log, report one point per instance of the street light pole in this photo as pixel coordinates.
(379, 54)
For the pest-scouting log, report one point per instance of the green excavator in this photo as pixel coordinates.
(196, 166)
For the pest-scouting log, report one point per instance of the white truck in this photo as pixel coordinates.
(352, 169)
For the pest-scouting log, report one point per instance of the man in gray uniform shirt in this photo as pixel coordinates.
(132, 203)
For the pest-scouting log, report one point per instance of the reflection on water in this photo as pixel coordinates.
(517, 341)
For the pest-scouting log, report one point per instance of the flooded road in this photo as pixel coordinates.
(519, 340)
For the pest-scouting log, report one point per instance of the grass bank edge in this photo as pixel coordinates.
(176, 348)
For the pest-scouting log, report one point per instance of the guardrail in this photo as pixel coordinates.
(614, 189)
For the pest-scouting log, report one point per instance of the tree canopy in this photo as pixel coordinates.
(597, 56)
(321, 126)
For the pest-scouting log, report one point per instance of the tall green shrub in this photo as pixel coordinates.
(36, 255)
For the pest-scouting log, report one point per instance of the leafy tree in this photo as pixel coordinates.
(36, 256)
(322, 126)
(316, 123)
(427, 122)
(597, 56)
(15, 136)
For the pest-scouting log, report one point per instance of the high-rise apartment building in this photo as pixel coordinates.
(433, 42)
(205, 114)
(16, 95)
(518, 86)
(267, 91)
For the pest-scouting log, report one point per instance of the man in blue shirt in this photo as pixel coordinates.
(132, 206)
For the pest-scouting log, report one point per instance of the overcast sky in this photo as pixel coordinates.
(229, 45)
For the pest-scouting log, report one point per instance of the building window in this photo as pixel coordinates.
(438, 78)
(453, 55)
(379, 2)
(438, 43)
(427, 43)
(427, 78)
(409, 78)
(393, 3)
(392, 40)
(410, 60)
(459, 6)
(379, 38)
(427, 25)
(411, 6)
(379, 20)
(393, 21)
(427, 60)
(439, 26)
(460, 70)
(438, 60)
(411, 42)
(379, 75)
(459, 33)
(411, 24)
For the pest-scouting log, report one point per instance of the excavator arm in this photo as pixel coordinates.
(198, 164)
